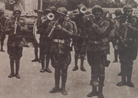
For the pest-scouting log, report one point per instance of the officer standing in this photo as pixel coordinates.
(2, 27)
(100, 34)
(15, 28)
(127, 44)
(80, 41)
(60, 34)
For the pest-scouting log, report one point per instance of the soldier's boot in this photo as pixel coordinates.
(12, 68)
(82, 64)
(101, 84)
(2, 47)
(120, 74)
(64, 79)
(36, 55)
(17, 69)
(123, 81)
(47, 65)
(76, 63)
(94, 83)
(129, 75)
(56, 89)
(115, 56)
(42, 64)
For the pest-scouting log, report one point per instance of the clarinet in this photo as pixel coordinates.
(15, 26)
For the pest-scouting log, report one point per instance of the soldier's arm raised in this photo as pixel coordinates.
(101, 29)
(9, 28)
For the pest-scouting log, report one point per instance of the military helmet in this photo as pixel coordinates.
(62, 10)
(53, 8)
(16, 11)
(118, 12)
(1, 10)
(127, 8)
(46, 11)
(95, 8)
(80, 6)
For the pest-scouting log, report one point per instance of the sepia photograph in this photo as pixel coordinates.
(68, 48)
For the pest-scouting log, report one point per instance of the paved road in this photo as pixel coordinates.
(34, 84)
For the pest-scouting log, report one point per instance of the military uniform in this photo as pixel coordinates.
(100, 34)
(45, 44)
(80, 41)
(127, 45)
(15, 41)
(3, 21)
(39, 31)
(115, 40)
(60, 49)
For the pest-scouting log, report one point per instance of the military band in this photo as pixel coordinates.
(89, 31)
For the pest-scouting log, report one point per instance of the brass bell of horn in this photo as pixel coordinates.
(83, 9)
(50, 16)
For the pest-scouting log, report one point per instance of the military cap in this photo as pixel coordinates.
(53, 8)
(118, 12)
(62, 10)
(16, 11)
(81, 5)
(38, 11)
(46, 11)
(1, 10)
(95, 8)
(127, 8)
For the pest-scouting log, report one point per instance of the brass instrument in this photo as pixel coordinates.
(83, 9)
(126, 29)
(53, 28)
(15, 26)
(49, 16)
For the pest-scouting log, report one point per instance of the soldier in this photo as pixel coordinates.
(127, 45)
(80, 41)
(116, 55)
(39, 28)
(2, 27)
(44, 41)
(100, 34)
(60, 35)
(15, 28)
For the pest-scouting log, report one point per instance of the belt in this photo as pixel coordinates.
(132, 39)
(94, 42)
(59, 41)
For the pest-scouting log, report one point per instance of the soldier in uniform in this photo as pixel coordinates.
(2, 27)
(44, 42)
(116, 55)
(39, 30)
(127, 45)
(15, 28)
(60, 35)
(80, 41)
(100, 34)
